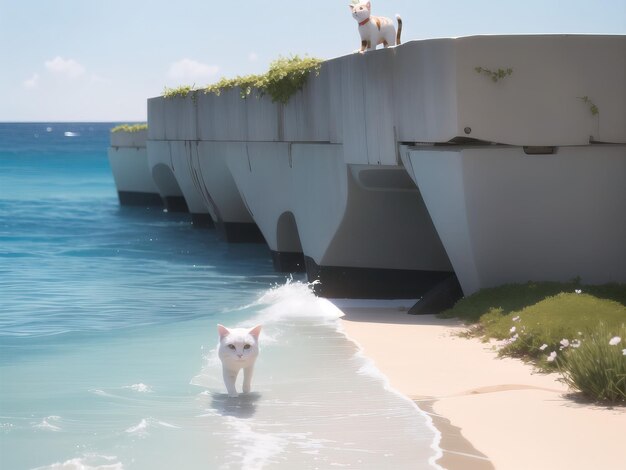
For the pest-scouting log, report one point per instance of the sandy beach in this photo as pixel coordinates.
(492, 412)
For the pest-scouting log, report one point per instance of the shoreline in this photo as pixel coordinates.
(491, 412)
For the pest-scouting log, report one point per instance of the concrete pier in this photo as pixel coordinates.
(129, 163)
(493, 158)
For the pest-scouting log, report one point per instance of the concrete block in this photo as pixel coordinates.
(129, 139)
(161, 168)
(440, 96)
(223, 117)
(180, 117)
(505, 216)
(186, 176)
(131, 171)
(156, 118)
(262, 117)
(306, 114)
(217, 184)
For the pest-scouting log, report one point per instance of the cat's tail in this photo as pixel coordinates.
(399, 30)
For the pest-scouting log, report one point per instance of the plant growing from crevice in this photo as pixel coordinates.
(494, 75)
(130, 128)
(592, 106)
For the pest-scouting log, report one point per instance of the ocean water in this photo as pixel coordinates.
(108, 333)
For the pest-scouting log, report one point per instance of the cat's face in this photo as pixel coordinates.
(238, 346)
(361, 11)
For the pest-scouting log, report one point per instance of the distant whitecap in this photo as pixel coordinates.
(46, 424)
(48, 129)
(139, 428)
(71, 134)
(141, 388)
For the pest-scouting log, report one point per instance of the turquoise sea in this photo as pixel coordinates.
(108, 333)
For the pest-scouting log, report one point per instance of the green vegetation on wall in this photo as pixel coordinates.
(592, 107)
(494, 75)
(178, 92)
(130, 128)
(285, 77)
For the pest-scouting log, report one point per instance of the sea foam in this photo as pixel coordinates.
(87, 462)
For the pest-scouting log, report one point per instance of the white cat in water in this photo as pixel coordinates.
(239, 348)
(374, 30)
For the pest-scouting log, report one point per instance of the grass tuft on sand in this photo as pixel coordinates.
(557, 326)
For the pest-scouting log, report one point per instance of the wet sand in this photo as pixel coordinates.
(492, 412)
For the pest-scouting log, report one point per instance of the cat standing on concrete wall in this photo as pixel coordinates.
(238, 349)
(375, 30)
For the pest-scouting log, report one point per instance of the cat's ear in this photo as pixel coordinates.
(223, 331)
(351, 6)
(368, 5)
(255, 332)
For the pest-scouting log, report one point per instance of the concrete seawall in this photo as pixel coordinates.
(497, 158)
(129, 163)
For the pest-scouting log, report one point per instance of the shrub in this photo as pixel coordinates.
(597, 368)
(130, 128)
(285, 77)
(565, 316)
(246, 85)
(556, 326)
(509, 298)
(179, 92)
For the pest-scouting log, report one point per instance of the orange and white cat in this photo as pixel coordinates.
(375, 30)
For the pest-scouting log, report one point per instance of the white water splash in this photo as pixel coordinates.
(255, 449)
(140, 388)
(145, 424)
(295, 300)
(87, 462)
(47, 425)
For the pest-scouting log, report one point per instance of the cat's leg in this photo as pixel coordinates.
(230, 378)
(390, 37)
(371, 45)
(364, 44)
(247, 378)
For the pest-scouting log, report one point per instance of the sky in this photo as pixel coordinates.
(96, 60)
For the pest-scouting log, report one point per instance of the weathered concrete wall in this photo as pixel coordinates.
(323, 177)
(505, 216)
(161, 168)
(129, 163)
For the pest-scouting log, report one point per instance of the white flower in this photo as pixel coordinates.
(543, 346)
(516, 318)
(615, 340)
(578, 291)
(575, 343)
(580, 333)
(552, 356)
(512, 330)
(623, 352)
(564, 342)
(514, 337)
